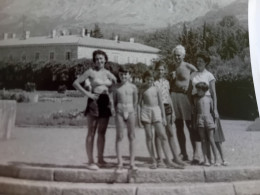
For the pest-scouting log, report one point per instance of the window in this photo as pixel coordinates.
(23, 57)
(116, 59)
(52, 56)
(37, 56)
(68, 56)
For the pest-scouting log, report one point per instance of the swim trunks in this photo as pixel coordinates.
(205, 121)
(125, 110)
(151, 114)
(99, 107)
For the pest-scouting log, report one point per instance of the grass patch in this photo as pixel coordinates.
(53, 109)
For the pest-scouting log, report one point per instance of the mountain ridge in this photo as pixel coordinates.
(147, 15)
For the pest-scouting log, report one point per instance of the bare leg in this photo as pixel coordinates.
(159, 129)
(219, 147)
(195, 144)
(102, 128)
(131, 137)
(119, 137)
(212, 144)
(92, 126)
(171, 140)
(181, 137)
(208, 151)
(149, 140)
(189, 127)
(158, 147)
(203, 144)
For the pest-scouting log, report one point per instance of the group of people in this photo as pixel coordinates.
(166, 99)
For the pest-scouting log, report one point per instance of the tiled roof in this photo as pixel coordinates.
(78, 40)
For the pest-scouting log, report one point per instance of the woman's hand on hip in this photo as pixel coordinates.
(216, 115)
(93, 96)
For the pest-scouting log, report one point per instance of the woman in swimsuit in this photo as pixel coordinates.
(99, 105)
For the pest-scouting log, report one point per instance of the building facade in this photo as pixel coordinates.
(71, 47)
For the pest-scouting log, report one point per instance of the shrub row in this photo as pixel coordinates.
(235, 89)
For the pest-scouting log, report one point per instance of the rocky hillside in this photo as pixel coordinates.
(125, 15)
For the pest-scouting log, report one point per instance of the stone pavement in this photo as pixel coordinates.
(53, 161)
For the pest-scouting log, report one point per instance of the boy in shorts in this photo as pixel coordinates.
(205, 121)
(125, 102)
(151, 114)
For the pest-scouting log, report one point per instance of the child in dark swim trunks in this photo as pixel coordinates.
(205, 121)
(152, 114)
(125, 102)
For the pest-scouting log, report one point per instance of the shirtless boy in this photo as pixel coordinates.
(125, 102)
(152, 114)
(205, 122)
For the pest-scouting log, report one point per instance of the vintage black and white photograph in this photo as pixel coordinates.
(127, 97)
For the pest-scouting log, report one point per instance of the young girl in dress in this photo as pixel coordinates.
(164, 87)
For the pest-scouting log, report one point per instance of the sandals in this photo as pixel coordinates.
(206, 164)
(216, 164)
(153, 166)
(224, 163)
(92, 167)
(195, 162)
(133, 168)
(160, 164)
(102, 162)
(171, 165)
(180, 162)
(119, 168)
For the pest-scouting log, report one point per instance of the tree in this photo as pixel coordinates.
(229, 21)
(97, 32)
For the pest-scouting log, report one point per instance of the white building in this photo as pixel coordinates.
(70, 47)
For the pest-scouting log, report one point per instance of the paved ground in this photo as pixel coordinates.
(65, 146)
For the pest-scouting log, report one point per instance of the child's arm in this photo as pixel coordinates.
(115, 98)
(212, 109)
(139, 105)
(191, 98)
(161, 106)
(135, 97)
(212, 88)
(173, 112)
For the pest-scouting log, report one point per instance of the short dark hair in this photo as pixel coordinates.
(124, 69)
(99, 52)
(158, 64)
(204, 56)
(203, 86)
(148, 73)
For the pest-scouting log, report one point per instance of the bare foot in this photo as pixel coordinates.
(179, 162)
(153, 166)
(133, 168)
(224, 163)
(172, 165)
(119, 168)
